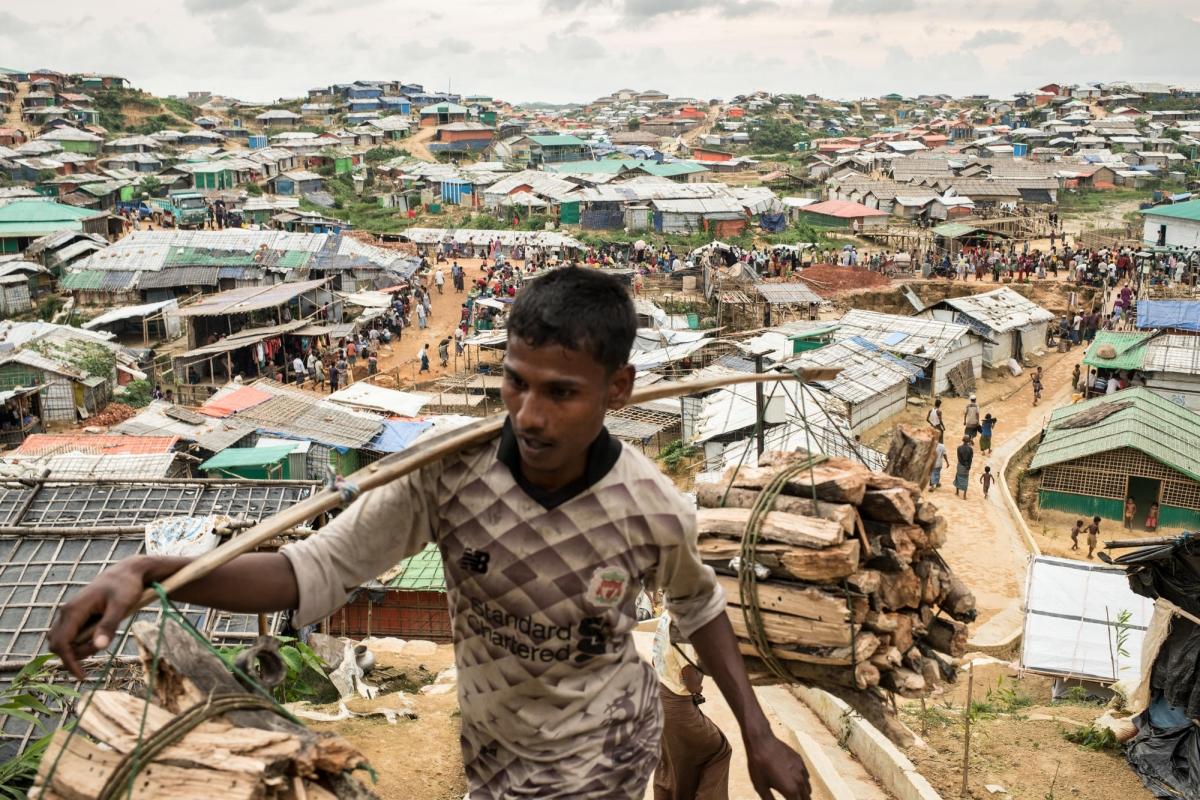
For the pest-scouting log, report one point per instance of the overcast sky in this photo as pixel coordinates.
(576, 50)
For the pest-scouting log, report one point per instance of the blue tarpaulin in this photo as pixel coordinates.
(775, 223)
(398, 435)
(1183, 315)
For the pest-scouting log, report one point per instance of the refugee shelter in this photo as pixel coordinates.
(1010, 325)
(844, 214)
(872, 386)
(408, 601)
(1175, 225)
(20, 414)
(1134, 443)
(949, 355)
(23, 221)
(1166, 363)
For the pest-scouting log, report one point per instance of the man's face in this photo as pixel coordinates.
(556, 399)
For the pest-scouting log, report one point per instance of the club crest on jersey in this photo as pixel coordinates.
(607, 586)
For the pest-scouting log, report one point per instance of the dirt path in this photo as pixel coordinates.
(13, 118)
(415, 144)
(984, 546)
(714, 113)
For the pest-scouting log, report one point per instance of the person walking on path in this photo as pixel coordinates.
(934, 417)
(694, 754)
(298, 370)
(423, 357)
(421, 316)
(985, 434)
(439, 279)
(343, 371)
(987, 479)
(939, 461)
(318, 372)
(971, 418)
(444, 352)
(962, 477)
(1037, 384)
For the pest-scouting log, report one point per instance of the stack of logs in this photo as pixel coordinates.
(857, 595)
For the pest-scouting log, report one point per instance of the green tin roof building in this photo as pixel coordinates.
(1134, 443)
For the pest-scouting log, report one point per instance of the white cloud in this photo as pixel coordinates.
(575, 50)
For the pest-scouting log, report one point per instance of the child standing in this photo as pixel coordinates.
(987, 479)
(1078, 529)
(1152, 517)
(1037, 385)
(1093, 534)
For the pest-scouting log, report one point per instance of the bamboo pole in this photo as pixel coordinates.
(391, 468)
(967, 730)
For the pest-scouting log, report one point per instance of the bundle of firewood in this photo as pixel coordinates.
(856, 595)
(251, 753)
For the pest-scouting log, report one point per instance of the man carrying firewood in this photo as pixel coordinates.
(547, 536)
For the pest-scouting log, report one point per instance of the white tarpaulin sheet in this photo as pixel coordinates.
(1071, 621)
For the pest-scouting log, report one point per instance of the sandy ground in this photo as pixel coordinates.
(1013, 745)
(415, 144)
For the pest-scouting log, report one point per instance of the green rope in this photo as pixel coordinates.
(747, 580)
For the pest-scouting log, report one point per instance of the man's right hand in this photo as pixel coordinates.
(108, 599)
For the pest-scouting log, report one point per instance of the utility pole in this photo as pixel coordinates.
(759, 421)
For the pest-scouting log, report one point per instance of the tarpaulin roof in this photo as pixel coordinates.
(420, 572)
(247, 457)
(379, 398)
(397, 435)
(226, 405)
(1181, 314)
(249, 298)
(127, 312)
(1071, 620)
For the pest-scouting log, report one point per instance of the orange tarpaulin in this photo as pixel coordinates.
(235, 401)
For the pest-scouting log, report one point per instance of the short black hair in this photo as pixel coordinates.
(579, 309)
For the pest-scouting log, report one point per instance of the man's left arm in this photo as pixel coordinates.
(772, 764)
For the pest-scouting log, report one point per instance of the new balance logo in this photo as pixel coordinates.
(474, 560)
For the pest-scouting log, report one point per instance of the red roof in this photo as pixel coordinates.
(235, 401)
(843, 209)
(40, 444)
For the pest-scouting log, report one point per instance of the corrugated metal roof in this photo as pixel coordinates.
(172, 277)
(1176, 353)
(80, 466)
(1152, 424)
(1000, 309)
(927, 338)
(786, 293)
(87, 279)
(250, 298)
(866, 372)
(211, 434)
(41, 444)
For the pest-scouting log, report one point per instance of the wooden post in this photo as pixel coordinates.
(967, 729)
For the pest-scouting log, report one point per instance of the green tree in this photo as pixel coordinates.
(148, 185)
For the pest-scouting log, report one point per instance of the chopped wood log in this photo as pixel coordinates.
(882, 480)
(897, 537)
(783, 629)
(935, 533)
(959, 601)
(710, 495)
(926, 512)
(776, 526)
(796, 600)
(888, 505)
(885, 559)
(911, 453)
(188, 673)
(865, 581)
(864, 675)
(931, 672)
(948, 636)
(816, 566)
(84, 768)
(931, 581)
(881, 621)
(902, 636)
(866, 644)
(903, 682)
(886, 659)
(835, 483)
(899, 589)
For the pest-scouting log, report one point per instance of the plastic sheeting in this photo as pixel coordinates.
(398, 435)
(773, 223)
(1179, 314)
(1070, 624)
(184, 536)
(1166, 759)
